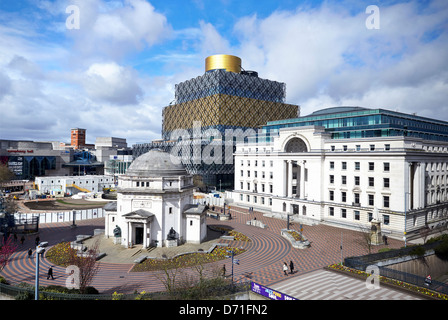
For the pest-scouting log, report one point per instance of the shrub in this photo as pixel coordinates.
(418, 251)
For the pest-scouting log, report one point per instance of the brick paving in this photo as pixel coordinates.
(261, 262)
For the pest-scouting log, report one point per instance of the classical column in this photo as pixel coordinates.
(289, 178)
(302, 180)
(129, 235)
(284, 192)
(145, 232)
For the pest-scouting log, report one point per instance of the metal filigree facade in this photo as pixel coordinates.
(220, 100)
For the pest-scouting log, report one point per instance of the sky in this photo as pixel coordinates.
(111, 66)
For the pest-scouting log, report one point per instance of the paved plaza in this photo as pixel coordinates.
(261, 262)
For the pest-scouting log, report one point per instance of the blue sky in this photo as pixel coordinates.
(114, 74)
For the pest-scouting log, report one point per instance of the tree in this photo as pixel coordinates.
(5, 173)
(86, 265)
(7, 249)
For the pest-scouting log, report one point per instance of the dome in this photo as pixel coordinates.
(155, 163)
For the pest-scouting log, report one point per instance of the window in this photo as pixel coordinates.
(262, 174)
(263, 163)
(386, 182)
(344, 179)
(386, 201)
(371, 181)
(248, 186)
(262, 187)
(242, 163)
(242, 186)
(255, 174)
(248, 173)
(386, 166)
(270, 201)
(331, 178)
(371, 166)
(356, 196)
(331, 164)
(170, 210)
(271, 188)
(357, 215)
(357, 180)
(241, 196)
(344, 196)
(358, 147)
(256, 163)
(344, 213)
(331, 195)
(262, 200)
(344, 147)
(331, 211)
(357, 166)
(344, 165)
(371, 200)
(248, 163)
(271, 175)
(248, 198)
(191, 222)
(372, 147)
(242, 173)
(255, 199)
(370, 216)
(332, 148)
(386, 219)
(387, 147)
(272, 163)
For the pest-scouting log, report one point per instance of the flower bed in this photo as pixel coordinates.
(60, 254)
(389, 281)
(237, 236)
(186, 260)
(297, 239)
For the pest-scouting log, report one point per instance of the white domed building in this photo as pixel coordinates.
(154, 205)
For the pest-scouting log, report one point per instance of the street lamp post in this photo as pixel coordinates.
(39, 250)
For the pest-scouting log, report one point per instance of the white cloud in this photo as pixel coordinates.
(112, 83)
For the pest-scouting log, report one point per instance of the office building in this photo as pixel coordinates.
(342, 166)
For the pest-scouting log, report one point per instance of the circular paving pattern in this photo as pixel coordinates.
(261, 262)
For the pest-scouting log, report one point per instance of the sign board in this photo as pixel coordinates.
(268, 292)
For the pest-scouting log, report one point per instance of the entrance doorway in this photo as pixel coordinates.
(138, 235)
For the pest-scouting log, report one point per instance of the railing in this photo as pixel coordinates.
(28, 293)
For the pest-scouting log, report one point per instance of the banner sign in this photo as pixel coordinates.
(269, 293)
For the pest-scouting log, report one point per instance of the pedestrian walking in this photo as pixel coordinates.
(22, 239)
(285, 268)
(291, 266)
(30, 253)
(50, 273)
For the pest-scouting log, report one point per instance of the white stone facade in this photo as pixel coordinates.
(316, 179)
(152, 199)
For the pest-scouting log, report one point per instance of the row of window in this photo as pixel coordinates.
(255, 162)
(357, 197)
(255, 199)
(357, 215)
(255, 189)
(263, 174)
(357, 181)
(386, 166)
(372, 147)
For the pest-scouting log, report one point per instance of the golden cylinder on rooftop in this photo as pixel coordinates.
(223, 61)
